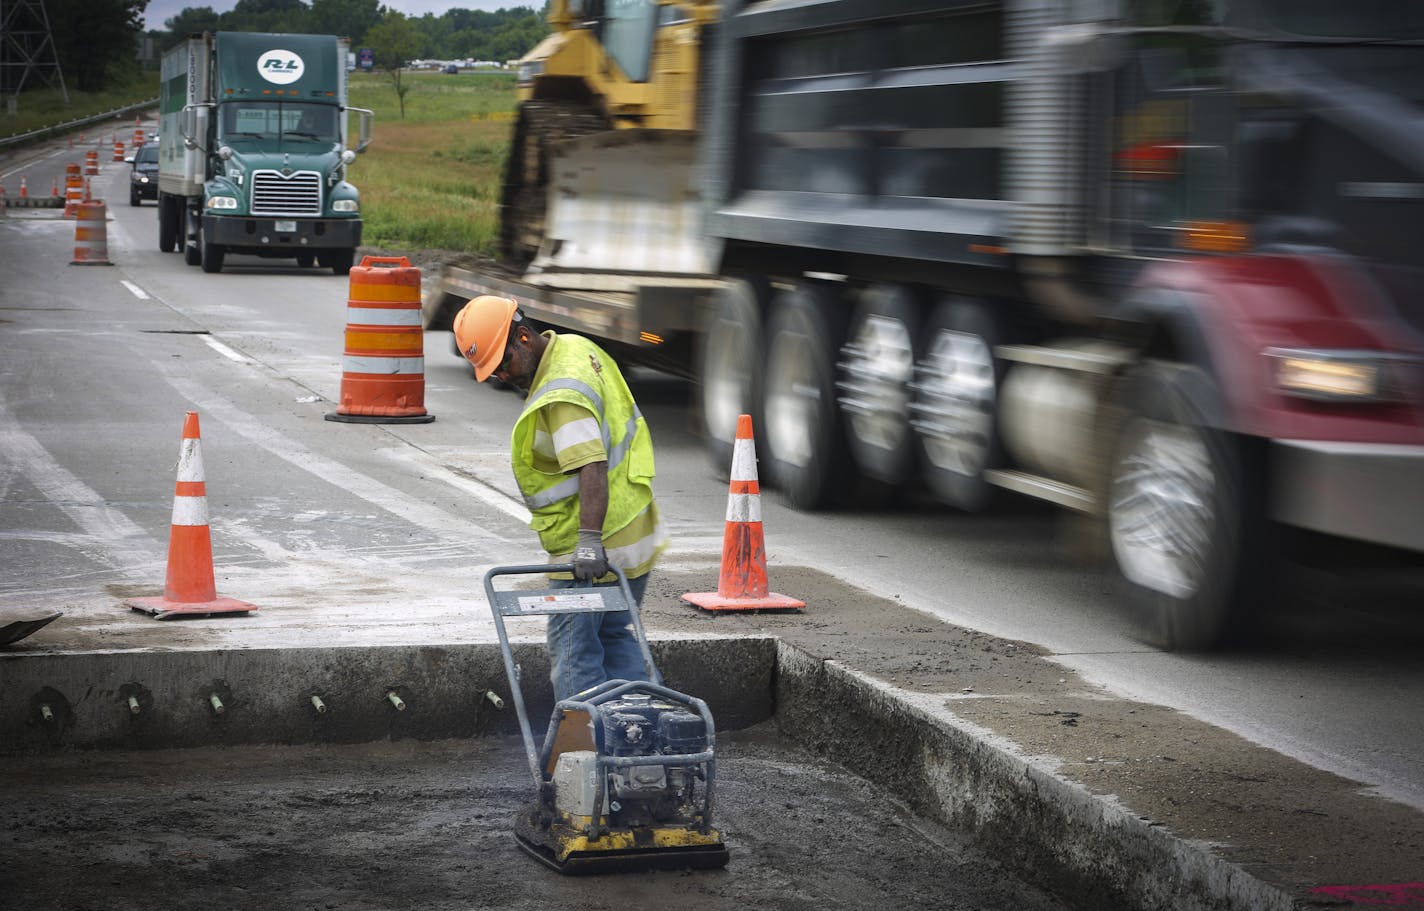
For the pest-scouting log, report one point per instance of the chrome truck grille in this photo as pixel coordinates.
(298, 194)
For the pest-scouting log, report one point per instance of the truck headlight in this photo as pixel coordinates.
(1338, 375)
(221, 202)
(529, 69)
(345, 205)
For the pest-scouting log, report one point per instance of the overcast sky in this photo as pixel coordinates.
(161, 10)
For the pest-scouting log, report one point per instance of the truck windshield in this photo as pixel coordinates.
(279, 120)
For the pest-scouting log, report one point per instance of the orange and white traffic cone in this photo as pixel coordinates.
(54, 189)
(24, 189)
(743, 584)
(118, 150)
(190, 588)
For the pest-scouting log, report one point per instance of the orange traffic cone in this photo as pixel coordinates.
(24, 189)
(190, 588)
(54, 189)
(743, 583)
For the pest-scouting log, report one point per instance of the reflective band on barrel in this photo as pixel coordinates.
(383, 316)
(382, 365)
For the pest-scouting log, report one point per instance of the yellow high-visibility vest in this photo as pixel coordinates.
(576, 370)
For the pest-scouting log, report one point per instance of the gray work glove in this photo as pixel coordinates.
(590, 562)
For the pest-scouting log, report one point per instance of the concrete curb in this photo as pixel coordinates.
(1079, 845)
(83, 700)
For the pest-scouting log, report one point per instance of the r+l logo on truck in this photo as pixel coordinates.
(280, 66)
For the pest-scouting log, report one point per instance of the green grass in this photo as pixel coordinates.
(432, 179)
(45, 107)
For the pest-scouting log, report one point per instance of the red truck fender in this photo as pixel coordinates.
(1226, 313)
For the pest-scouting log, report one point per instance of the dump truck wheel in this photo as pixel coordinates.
(955, 408)
(730, 369)
(877, 367)
(1186, 512)
(806, 449)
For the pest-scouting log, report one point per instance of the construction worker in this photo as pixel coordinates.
(583, 458)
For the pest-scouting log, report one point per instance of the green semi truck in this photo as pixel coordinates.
(252, 150)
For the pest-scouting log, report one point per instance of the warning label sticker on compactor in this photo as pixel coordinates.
(561, 602)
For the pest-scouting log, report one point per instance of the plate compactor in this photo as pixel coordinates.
(617, 777)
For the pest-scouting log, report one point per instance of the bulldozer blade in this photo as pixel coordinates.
(19, 629)
(622, 201)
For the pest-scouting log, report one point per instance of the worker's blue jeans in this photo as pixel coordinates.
(588, 649)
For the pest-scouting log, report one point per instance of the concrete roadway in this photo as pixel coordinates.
(99, 364)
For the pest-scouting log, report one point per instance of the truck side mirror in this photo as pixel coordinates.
(195, 125)
(366, 123)
(190, 127)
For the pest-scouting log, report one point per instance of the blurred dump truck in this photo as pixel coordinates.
(1156, 263)
(252, 150)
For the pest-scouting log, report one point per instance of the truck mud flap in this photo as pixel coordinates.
(622, 201)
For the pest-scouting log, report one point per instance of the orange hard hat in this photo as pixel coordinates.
(481, 330)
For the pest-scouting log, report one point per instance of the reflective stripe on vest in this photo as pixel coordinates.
(569, 486)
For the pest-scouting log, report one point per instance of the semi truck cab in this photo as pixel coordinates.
(256, 159)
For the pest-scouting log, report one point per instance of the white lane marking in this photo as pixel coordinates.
(342, 476)
(135, 290)
(487, 495)
(107, 535)
(224, 350)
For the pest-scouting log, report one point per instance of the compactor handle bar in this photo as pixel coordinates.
(585, 599)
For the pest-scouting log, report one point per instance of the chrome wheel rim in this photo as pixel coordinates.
(1161, 512)
(793, 400)
(878, 364)
(953, 410)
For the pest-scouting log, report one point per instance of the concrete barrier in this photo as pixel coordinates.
(164, 699)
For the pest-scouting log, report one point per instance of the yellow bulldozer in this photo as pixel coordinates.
(608, 112)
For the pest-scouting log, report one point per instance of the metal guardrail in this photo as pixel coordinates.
(59, 128)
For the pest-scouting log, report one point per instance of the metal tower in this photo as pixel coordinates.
(27, 52)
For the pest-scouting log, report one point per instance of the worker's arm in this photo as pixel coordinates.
(590, 561)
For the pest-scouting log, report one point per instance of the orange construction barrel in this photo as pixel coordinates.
(383, 367)
(73, 189)
(91, 240)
